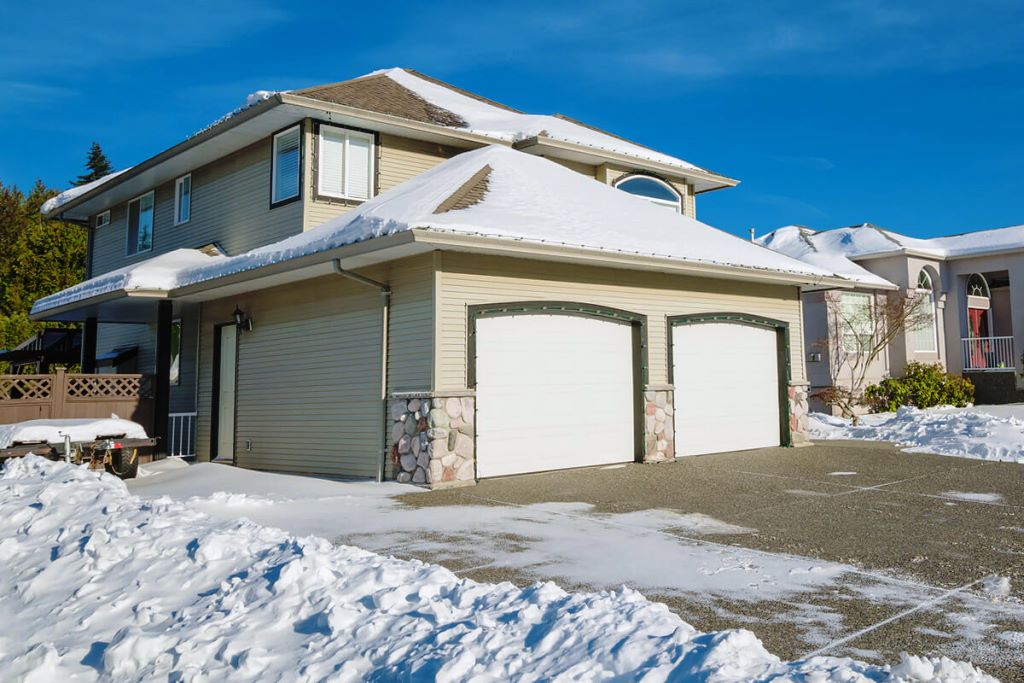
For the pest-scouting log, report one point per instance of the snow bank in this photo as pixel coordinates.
(81, 429)
(944, 431)
(105, 585)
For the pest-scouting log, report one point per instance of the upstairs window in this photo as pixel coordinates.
(344, 163)
(856, 321)
(924, 336)
(140, 224)
(656, 191)
(183, 199)
(287, 157)
(102, 219)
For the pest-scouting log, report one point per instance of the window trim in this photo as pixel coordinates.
(677, 205)
(177, 198)
(127, 224)
(931, 302)
(374, 138)
(97, 223)
(273, 165)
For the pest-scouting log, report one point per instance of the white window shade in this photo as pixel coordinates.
(345, 164)
(286, 164)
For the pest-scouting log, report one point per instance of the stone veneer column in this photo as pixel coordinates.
(659, 426)
(798, 410)
(433, 440)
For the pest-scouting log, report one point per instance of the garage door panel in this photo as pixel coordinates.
(726, 380)
(553, 391)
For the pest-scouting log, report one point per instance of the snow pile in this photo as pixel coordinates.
(512, 126)
(105, 585)
(805, 244)
(79, 429)
(981, 242)
(944, 431)
(54, 203)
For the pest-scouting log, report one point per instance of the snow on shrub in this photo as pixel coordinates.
(101, 584)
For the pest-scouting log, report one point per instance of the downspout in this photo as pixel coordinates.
(385, 292)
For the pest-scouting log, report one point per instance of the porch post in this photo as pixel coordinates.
(89, 346)
(162, 380)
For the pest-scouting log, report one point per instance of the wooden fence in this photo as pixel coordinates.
(65, 395)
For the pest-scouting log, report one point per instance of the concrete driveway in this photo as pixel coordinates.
(898, 552)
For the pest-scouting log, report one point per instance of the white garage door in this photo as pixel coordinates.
(552, 391)
(726, 379)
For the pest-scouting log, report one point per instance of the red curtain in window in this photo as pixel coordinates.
(976, 320)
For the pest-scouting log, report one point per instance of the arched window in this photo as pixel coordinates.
(979, 320)
(656, 191)
(924, 336)
(977, 286)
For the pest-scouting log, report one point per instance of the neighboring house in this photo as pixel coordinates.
(391, 277)
(972, 283)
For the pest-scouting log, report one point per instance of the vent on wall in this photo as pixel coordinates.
(814, 358)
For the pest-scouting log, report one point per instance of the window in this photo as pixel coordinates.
(855, 322)
(183, 199)
(102, 219)
(344, 163)
(656, 191)
(284, 179)
(140, 224)
(923, 336)
(175, 372)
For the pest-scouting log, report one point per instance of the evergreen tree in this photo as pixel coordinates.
(39, 257)
(97, 164)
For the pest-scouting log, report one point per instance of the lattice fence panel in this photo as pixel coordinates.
(25, 388)
(107, 386)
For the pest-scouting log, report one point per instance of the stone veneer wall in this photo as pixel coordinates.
(659, 426)
(798, 409)
(433, 439)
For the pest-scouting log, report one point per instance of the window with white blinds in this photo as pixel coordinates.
(286, 165)
(345, 163)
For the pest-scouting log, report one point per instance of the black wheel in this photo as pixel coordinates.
(123, 462)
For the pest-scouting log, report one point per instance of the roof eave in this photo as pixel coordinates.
(188, 143)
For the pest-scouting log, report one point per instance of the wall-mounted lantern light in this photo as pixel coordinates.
(242, 322)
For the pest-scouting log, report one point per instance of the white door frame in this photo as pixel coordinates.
(637, 321)
(224, 414)
(781, 329)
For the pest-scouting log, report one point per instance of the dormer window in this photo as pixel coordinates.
(654, 190)
(344, 164)
(287, 158)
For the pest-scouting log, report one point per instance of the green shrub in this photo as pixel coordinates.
(924, 385)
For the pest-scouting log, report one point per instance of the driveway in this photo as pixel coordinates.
(925, 541)
(844, 548)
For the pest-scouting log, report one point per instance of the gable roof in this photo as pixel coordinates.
(496, 194)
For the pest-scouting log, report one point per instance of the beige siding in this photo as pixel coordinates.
(230, 206)
(397, 160)
(309, 395)
(411, 330)
(467, 280)
(584, 169)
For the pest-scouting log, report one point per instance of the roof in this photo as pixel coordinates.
(493, 192)
(404, 95)
(841, 248)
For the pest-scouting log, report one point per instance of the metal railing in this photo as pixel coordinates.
(181, 434)
(988, 354)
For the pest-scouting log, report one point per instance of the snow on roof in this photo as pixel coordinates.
(67, 195)
(838, 249)
(159, 273)
(488, 119)
(825, 250)
(527, 199)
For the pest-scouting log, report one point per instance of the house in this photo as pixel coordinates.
(972, 284)
(391, 277)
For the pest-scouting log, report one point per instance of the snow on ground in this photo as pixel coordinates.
(985, 432)
(79, 429)
(103, 584)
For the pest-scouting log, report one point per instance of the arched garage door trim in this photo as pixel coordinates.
(781, 329)
(637, 321)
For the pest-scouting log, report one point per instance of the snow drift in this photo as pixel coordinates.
(104, 585)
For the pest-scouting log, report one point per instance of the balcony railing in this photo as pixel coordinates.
(988, 354)
(181, 434)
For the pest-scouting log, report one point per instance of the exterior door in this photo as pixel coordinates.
(227, 342)
(553, 391)
(727, 393)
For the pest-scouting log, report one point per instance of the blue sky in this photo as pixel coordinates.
(906, 114)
